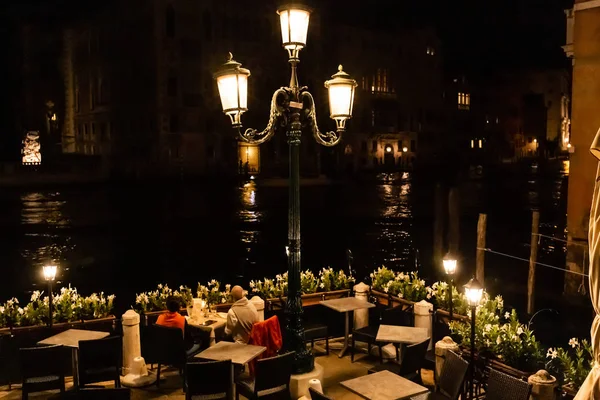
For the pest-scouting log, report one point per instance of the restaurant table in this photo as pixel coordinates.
(383, 385)
(401, 334)
(345, 305)
(238, 353)
(70, 338)
(220, 321)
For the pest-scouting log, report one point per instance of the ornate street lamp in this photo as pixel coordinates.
(450, 269)
(473, 293)
(50, 275)
(294, 108)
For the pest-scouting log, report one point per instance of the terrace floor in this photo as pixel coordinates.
(336, 370)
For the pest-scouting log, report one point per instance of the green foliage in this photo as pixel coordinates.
(572, 366)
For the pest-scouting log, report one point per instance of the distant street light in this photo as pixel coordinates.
(388, 149)
(294, 106)
(405, 149)
(473, 293)
(50, 275)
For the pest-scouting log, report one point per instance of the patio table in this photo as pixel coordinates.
(70, 338)
(401, 334)
(345, 305)
(200, 322)
(383, 385)
(238, 353)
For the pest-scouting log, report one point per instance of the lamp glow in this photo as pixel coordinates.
(388, 149)
(473, 292)
(232, 81)
(50, 272)
(341, 97)
(449, 265)
(405, 149)
(294, 21)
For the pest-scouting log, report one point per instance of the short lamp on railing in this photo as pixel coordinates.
(294, 20)
(341, 97)
(473, 293)
(50, 275)
(232, 81)
(449, 265)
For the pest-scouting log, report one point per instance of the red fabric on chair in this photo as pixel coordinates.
(267, 334)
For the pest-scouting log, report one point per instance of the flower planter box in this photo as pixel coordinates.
(444, 316)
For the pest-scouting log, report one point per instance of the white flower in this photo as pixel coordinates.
(519, 331)
(422, 282)
(181, 287)
(552, 353)
(573, 342)
(1, 309)
(160, 286)
(507, 315)
(111, 297)
(21, 311)
(428, 295)
(322, 285)
(499, 340)
(488, 327)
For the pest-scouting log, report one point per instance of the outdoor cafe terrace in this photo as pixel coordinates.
(397, 338)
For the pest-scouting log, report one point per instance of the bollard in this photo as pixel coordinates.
(134, 367)
(361, 317)
(131, 339)
(423, 318)
(260, 307)
(543, 384)
(441, 348)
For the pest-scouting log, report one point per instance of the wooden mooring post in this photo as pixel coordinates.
(535, 238)
(481, 230)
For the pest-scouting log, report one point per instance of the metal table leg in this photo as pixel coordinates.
(347, 337)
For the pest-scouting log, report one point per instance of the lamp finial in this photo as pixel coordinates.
(340, 68)
(229, 56)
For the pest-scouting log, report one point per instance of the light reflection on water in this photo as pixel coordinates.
(43, 208)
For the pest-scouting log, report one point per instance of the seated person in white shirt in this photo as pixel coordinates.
(241, 316)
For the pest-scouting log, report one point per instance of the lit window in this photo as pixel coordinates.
(464, 101)
(430, 51)
(381, 81)
(480, 143)
(472, 144)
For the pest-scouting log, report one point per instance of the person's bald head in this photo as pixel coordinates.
(237, 293)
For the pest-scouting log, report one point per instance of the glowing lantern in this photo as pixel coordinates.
(341, 97)
(232, 81)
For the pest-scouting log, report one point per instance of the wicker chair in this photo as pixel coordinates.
(208, 380)
(272, 378)
(450, 380)
(501, 386)
(413, 358)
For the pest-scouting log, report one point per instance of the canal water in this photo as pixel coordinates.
(125, 239)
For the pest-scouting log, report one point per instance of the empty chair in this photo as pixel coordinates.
(164, 346)
(100, 360)
(209, 379)
(314, 332)
(316, 395)
(272, 377)
(450, 381)
(104, 394)
(368, 334)
(501, 386)
(42, 369)
(413, 358)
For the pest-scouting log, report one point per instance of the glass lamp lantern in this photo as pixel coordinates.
(232, 81)
(294, 20)
(341, 97)
(49, 272)
(473, 292)
(449, 265)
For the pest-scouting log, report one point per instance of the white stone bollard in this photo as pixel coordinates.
(441, 348)
(423, 318)
(260, 307)
(543, 384)
(361, 317)
(134, 367)
(131, 339)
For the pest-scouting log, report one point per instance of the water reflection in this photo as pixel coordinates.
(248, 211)
(40, 208)
(393, 240)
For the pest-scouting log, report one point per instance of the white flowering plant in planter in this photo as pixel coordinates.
(309, 283)
(65, 304)
(573, 365)
(499, 334)
(157, 300)
(37, 310)
(331, 280)
(10, 313)
(267, 288)
(381, 277)
(407, 286)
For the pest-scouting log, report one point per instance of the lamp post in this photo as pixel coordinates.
(293, 107)
(473, 293)
(450, 269)
(49, 276)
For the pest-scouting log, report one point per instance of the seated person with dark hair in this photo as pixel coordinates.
(173, 319)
